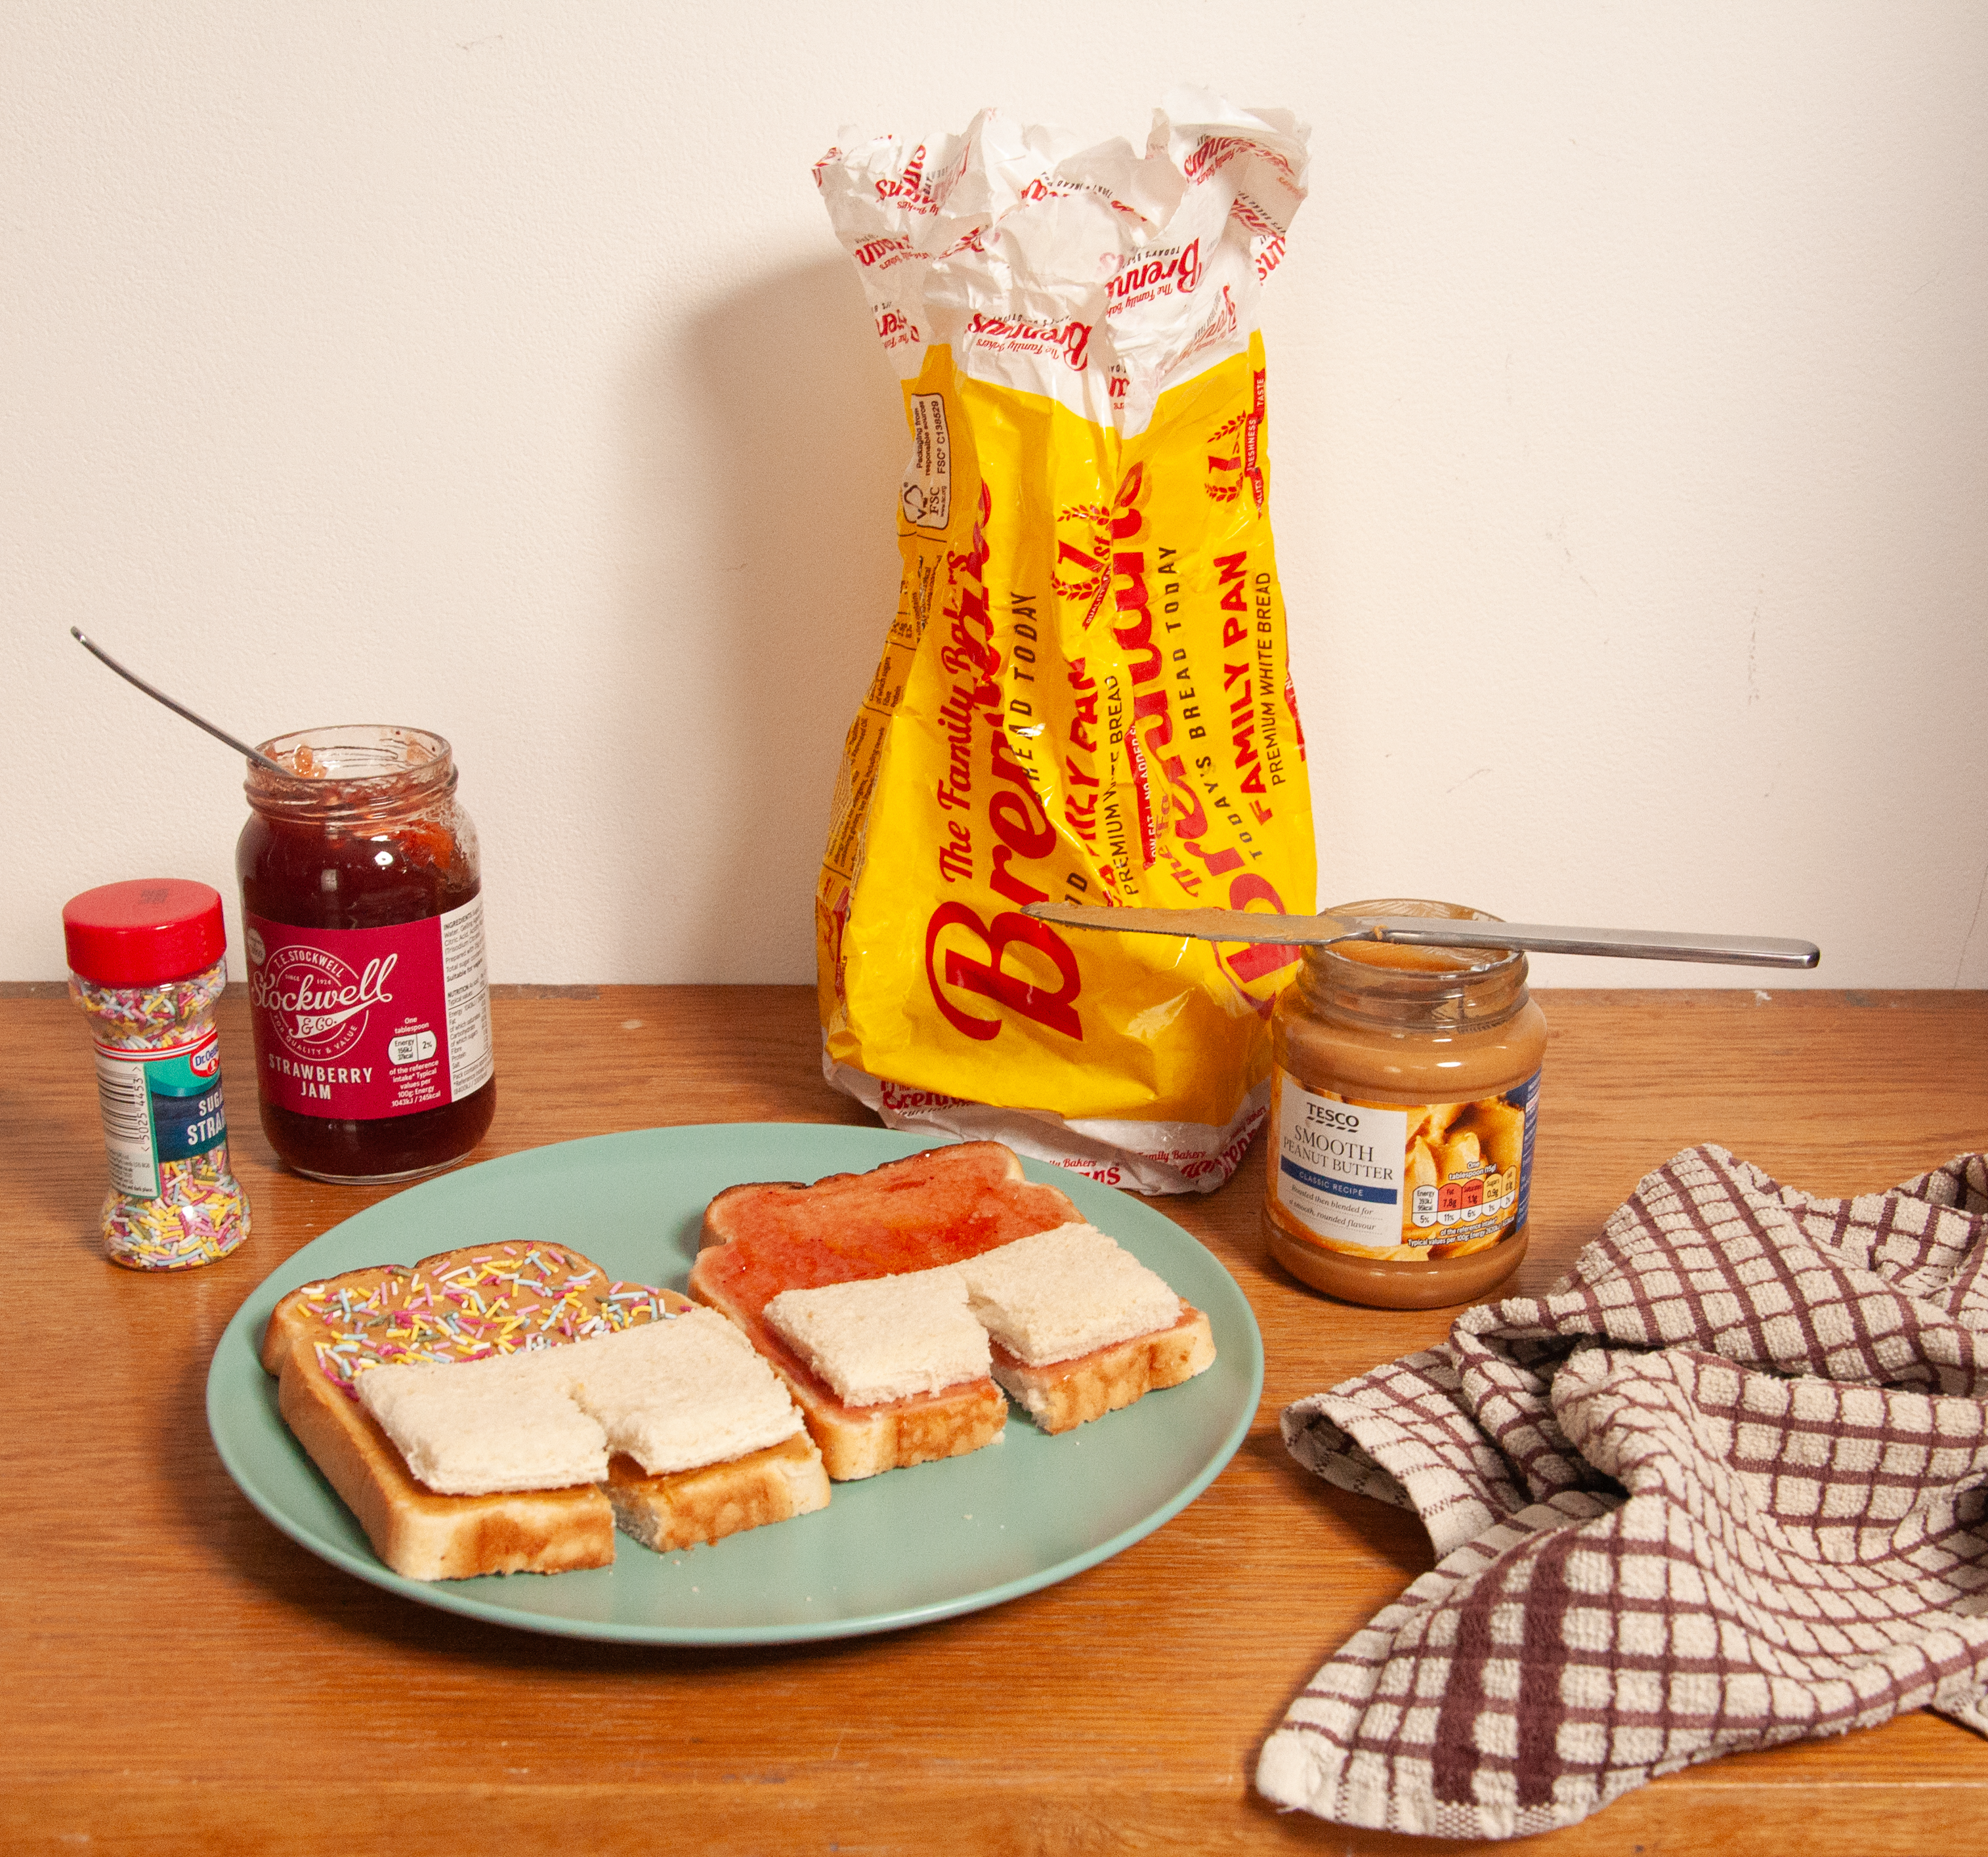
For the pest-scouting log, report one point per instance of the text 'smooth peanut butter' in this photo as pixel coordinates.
(1404, 1098)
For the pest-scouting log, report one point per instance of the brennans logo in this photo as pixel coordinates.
(1041, 187)
(1212, 154)
(895, 327)
(974, 960)
(1216, 152)
(911, 189)
(1072, 340)
(1180, 270)
(882, 253)
(908, 189)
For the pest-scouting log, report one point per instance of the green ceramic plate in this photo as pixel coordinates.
(898, 1550)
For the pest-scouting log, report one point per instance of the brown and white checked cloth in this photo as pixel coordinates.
(1724, 1486)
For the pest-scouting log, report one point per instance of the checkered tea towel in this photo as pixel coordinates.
(1724, 1486)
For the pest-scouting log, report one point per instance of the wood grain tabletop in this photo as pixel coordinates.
(179, 1674)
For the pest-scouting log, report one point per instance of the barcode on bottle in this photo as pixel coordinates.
(125, 1104)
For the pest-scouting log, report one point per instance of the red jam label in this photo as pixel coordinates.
(359, 1024)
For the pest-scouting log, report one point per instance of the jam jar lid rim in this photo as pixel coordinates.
(355, 790)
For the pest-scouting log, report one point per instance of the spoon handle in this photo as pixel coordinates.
(159, 696)
(1534, 938)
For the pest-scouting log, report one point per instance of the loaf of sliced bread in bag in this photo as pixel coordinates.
(936, 1208)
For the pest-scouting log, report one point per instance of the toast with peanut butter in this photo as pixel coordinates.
(487, 1304)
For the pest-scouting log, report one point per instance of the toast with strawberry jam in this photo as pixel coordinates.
(1079, 1327)
(932, 1210)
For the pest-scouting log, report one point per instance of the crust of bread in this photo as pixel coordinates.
(291, 1321)
(980, 1182)
(690, 1506)
(860, 1441)
(424, 1536)
(1067, 1393)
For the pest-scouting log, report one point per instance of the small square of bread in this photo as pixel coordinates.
(674, 1395)
(1065, 1292)
(882, 1339)
(679, 1393)
(474, 1427)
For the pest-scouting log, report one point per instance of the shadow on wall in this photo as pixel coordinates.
(768, 440)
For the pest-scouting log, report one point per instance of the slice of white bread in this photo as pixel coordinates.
(474, 1303)
(426, 1536)
(478, 1428)
(677, 1395)
(1065, 1292)
(1071, 1392)
(931, 1210)
(884, 1338)
(1080, 1327)
(674, 1395)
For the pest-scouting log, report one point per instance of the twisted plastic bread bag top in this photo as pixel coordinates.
(1084, 694)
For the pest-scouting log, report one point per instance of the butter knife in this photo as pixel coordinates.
(1426, 931)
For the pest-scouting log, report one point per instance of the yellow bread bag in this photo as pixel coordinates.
(1085, 694)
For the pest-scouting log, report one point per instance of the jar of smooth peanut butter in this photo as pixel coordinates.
(1404, 1094)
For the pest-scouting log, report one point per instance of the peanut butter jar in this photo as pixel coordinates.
(1405, 1096)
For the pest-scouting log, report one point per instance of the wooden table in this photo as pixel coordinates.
(177, 1674)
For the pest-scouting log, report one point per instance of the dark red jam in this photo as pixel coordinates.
(362, 918)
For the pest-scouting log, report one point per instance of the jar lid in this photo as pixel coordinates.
(135, 934)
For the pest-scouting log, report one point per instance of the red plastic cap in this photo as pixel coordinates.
(136, 934)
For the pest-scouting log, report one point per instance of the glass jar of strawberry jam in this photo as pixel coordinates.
(362, 915)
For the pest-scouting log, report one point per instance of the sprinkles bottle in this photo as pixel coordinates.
(146, 964)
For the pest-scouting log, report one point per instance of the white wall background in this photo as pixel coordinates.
(490, 366)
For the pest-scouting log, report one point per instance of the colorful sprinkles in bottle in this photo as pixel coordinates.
(146, 964)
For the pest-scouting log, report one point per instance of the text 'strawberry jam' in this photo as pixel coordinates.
(362, 915)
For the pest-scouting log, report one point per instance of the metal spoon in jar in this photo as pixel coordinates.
(159, 696)
(1424, 930)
